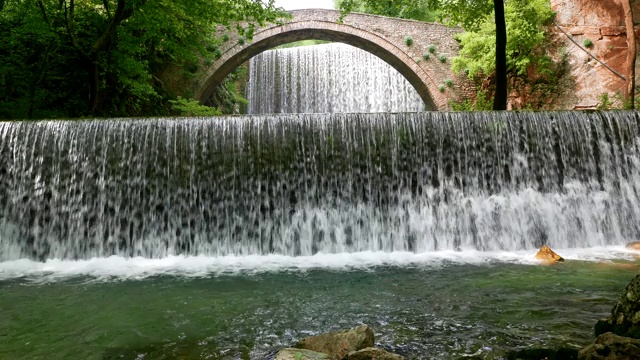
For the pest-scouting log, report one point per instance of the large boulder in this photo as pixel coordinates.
(372, 353)
(338, 344)
(610, 346)
(548, 256)
(299, 354)
(625, 315)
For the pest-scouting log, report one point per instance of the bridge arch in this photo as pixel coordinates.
(235, 54)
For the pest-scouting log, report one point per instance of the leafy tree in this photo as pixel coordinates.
(524, 19)
(102, 57)
(423, 10)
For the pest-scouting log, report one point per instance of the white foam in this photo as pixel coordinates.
(120, 268)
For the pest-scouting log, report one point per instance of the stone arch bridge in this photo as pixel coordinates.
(382, 36)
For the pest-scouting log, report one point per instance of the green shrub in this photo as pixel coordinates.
(191, 107)
(442, 58)
(431, 48)
(605, 102)
(588, 43)
(225, 37)
(426, 56)
(408, 40)
(448, 82)
(441, 88)
(242, 40)
(482, 103)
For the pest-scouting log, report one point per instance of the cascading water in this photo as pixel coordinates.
(302, 184)
(329, 78)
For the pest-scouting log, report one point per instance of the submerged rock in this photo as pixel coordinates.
(542, 353)
(625, 315)
(300, 354)
(338, 344)
(548, 256)
(372, 353)
(610, 346)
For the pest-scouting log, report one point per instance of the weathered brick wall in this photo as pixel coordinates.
(382, 36)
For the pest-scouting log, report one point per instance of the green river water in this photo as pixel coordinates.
(431, 310)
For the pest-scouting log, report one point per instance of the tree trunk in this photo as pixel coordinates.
(500, 97)
(630, 73)
(94, 86)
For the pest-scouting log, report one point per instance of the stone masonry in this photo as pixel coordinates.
(382, 36)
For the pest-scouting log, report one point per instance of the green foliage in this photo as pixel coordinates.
(587, 43)
(442, 58)
(242, 40)
(228, 97)
(605, 102)
(524, 25)
(303, 43)
(441, 88)
(408, 40)
(191, 107)
(426, 56)
(482, 103)
(431, 48)
(56, 54)
(423, 10)
(448, 82)
(472, 15)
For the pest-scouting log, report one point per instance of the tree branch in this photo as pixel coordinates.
(43, 11)
(68, 19)
(106, 8)
(121, 14)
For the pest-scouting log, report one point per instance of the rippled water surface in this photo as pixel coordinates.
(441, 307)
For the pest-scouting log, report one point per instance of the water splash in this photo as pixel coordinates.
(298, 185)
(330, 78)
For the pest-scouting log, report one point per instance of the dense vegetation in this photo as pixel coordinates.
(66, 58)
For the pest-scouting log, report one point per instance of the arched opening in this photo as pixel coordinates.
(237, 54)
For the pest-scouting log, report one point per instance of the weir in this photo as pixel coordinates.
(328, 78)
(302, 184)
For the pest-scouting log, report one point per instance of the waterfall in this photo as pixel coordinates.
(302, 184)
(330, 78)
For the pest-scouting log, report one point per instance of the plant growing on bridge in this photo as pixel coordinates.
(431, 48)
(442, 58)
(426, 56)
(441, 88)
(587, 43)
(448, 82)
(408, 40)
